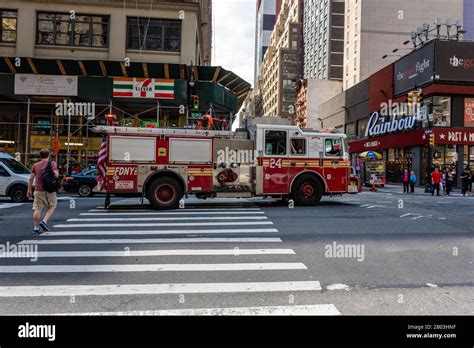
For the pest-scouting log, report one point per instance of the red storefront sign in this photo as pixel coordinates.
(469, 112)
(454, 136)
(404, 139)
(443, 136)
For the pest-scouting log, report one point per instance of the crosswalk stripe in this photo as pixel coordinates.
(186, 218)
(169, 224)
(10, 205)
(156, 232)
(151, 241)
(175, 213)
(173, 252)
(322, 309)
(210, 210)
(151, 289)
(180, 267)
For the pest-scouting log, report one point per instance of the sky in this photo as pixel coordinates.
(234, 36)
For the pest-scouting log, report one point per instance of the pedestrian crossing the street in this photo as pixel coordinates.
(225, 250)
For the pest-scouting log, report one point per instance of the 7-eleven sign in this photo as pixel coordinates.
(127, 87)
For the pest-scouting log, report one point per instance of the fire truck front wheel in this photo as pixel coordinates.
(307, 191)
(164, 193)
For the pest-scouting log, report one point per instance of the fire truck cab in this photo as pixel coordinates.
(279, 161)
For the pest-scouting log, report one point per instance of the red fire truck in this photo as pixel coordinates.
(266, 160)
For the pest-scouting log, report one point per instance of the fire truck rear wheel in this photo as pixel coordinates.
(307, 191)
(164, 193)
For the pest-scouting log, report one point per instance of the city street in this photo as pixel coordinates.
(413, 254)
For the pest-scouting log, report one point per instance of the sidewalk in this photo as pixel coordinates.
(398, 189)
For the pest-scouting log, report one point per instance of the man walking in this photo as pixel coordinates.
(406, 181)
(466, 181)
(42, 198)
(436, 178)
(449, 182)
(412, 182)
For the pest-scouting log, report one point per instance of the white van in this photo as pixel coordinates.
(14, 178)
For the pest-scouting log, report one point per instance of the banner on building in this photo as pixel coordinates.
(414, 70)
(132, 87)
(455, 61)
(57, 85)
(468, 112)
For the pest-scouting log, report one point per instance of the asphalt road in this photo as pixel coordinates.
(372, 253)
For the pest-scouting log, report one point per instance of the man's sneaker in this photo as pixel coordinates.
(36, 232)
(44, 226)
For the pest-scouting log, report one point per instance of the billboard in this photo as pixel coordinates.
(56, 85)
(455, 61)
(414, 70)
(468, 112)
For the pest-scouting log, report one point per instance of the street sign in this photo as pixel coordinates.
(423, 113)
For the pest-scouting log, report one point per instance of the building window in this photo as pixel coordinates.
(289, 71)
(275, 143)
(441, 111)
(351, 129)
(361, 127)
(289, 97)
(289, 83)
(289, 57)
(60, 29)
(153, 34)
(9, 20)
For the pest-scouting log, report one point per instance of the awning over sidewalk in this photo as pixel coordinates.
(98, 68)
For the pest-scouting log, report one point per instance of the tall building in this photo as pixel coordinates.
(267, 11)
(374, 28)
(469, 19)
(323, 33)
(282, 63)
(177, 32)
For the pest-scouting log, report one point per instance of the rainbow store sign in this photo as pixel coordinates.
(378, 126)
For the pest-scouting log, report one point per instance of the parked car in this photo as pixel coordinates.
(14, 178)
(82, 183)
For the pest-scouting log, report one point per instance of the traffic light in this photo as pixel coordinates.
(195, 102)
(432, 140)
(411, 98)
(419, 97)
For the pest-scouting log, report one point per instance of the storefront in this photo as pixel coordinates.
(421, 112)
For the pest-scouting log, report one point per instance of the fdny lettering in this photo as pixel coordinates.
(125, 171)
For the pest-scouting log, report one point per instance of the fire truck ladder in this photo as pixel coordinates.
(161, 131)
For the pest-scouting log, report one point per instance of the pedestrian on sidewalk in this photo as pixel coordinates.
(466, 181)
(472, 180)
(42, 198)
(436, 178)
(412, 182)
(406, 181)
(449, 182)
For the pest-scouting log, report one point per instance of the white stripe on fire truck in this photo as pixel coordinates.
(156, 232)
(141, 289)
(179, 267)
(170, 224)
(151, 241)
(161, 252)
(185, 218)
